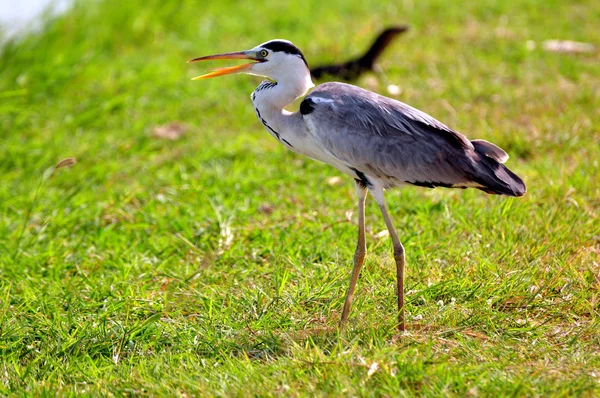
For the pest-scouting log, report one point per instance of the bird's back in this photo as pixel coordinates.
(395, 144)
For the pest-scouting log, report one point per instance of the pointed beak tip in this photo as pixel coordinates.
(227, 70)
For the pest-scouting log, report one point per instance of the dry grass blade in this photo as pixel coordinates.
(568, 46)
(65, 163)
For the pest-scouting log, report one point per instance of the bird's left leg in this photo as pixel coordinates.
(377, 193)
(361, 249)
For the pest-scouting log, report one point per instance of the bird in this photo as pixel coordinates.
(379, 142)
(352, 69)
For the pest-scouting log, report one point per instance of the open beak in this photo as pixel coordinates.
(228, 70)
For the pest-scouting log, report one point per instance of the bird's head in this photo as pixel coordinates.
(279, 60)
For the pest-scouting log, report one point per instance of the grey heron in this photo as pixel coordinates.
(379, 142)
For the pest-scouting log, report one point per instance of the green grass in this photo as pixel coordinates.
(218, 263)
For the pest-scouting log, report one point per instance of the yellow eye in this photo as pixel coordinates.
(264, 53)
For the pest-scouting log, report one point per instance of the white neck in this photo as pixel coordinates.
(269, 100)
(278, 95)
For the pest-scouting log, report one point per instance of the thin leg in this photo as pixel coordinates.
(398, 253)
(361, 250)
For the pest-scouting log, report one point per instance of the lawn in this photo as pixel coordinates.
(217, 263)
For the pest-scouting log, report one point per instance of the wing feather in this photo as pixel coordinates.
(385, 138)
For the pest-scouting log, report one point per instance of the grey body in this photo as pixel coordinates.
(384, 140)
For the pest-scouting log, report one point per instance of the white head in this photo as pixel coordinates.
(278, 60)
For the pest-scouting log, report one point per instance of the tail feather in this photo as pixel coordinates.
(494, 177)
(490, 150)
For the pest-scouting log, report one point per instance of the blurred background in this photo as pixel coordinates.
(177, 188)
(24, 15)
(106, 82)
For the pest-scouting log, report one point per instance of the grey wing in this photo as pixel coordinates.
(384, 138)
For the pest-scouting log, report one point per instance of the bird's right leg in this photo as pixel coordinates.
(377, 193)
(361, 249)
